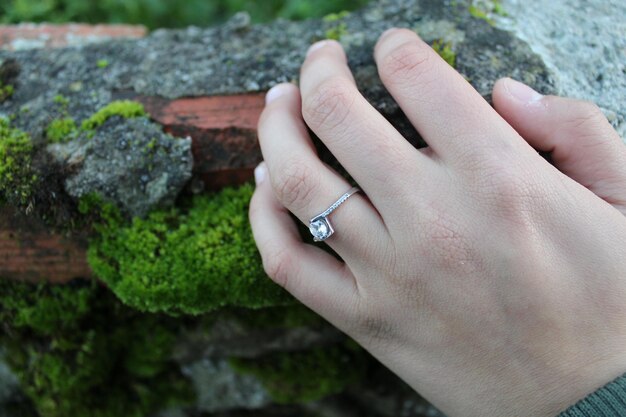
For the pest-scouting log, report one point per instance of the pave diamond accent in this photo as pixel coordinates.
(320, 229)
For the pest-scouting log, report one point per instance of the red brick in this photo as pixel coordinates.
(29, 252)
(34, 36)
(223, 131)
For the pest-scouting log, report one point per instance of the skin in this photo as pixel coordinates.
(488, 279)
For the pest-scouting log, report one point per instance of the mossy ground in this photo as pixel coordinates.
(185, 260)
(78, 352)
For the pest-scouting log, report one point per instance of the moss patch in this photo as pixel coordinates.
(6, 91)
(300, 377)
(333, 17)
(123, 108)
(186, 261)
(78, 352)
(61, 130)
(486, 9)
(445, 51)
(336, 32)
(16, 177)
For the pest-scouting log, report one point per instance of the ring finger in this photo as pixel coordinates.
(306, 186)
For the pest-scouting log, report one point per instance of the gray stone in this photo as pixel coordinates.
(129, 162)
(9, 387)
(219, 387)
(583, 43)
(8, 382)
(228, 338)
(238, 57)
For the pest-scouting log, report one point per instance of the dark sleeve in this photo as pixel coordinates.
(608, 401)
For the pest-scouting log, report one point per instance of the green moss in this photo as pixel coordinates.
(45, 309)
(102, 63)
(499, 9)
(186, 261)
(16, 176)
(333, 17)
(485, 9)
(336, 32)
(445, 51)
(6, 91)
(78, 352)
(62, 100)
(61, 130)
(300, 377)
(123, 108)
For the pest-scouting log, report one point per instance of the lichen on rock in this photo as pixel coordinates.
(127, 161)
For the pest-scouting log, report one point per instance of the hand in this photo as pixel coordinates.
(489, 280)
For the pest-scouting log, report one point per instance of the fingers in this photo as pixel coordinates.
(447, 111)
(311, 275)
(582, 143)
(307, 187)
(363, 141)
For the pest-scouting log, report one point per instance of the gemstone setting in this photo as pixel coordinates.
(320, 228)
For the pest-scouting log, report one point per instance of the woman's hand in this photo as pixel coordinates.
(489, 280)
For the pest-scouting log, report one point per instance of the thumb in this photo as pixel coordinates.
(582, 143)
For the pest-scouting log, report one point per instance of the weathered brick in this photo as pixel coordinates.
(33, 36)
(29, 252)
(223, 132)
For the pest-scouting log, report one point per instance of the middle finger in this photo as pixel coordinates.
(377, 156)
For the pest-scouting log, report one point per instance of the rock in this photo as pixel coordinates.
(583, 43)
(228, 337)
(130, 162)
(219, 387)
(237, 57)
(8, 384)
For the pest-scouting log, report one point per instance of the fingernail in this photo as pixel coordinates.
(387, 33)
(317, 45)
(260, 172)
(522, 92)
(275, 92)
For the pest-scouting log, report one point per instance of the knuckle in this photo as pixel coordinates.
(577, 115)
(405, 63)
(585, 114)
(330, 104)
(278, 265)
(295, 184)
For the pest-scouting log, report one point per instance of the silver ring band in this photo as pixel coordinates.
(320, 226)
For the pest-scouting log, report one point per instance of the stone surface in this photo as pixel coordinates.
(33, 36)
(8, 385)
(240, 58)
(219, 387)
(583, 43)
(228, 337)
(130, 162)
